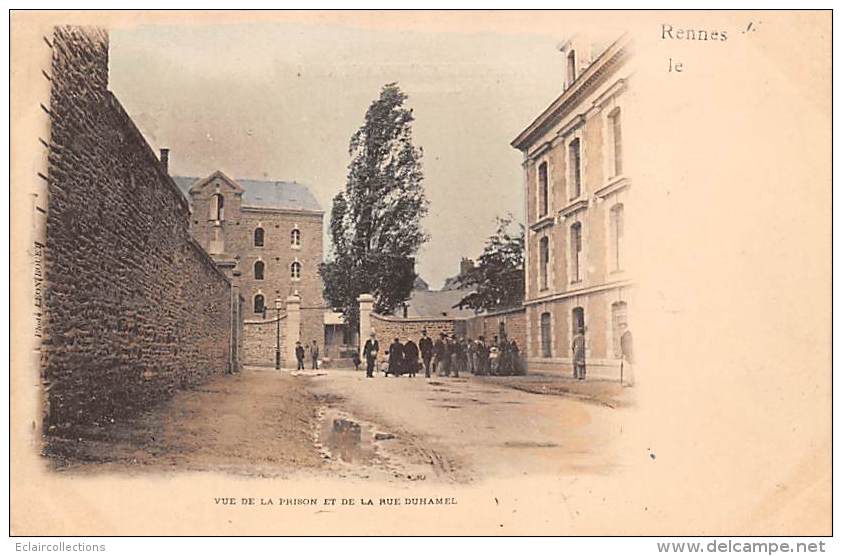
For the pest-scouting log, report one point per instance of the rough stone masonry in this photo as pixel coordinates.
(135, 308)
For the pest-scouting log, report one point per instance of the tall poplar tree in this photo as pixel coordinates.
(375, 224)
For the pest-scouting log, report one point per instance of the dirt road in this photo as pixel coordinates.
(464, 429)
(338, 423)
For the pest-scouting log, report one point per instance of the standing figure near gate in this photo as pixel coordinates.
(395, 358)
(370, 354)
(425, 344)
(299, 355)
(578, 348)
(314, 354)
(410, 357)
(439, 350)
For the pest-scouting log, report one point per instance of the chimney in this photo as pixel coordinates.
(165, 160)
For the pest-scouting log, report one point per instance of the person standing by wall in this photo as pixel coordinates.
(410, 357)
(395, 358)
(626, 356)
(439, 350)
(299, 355)
(425, 344)
(370, 354)
(578, 348)
(314, 354)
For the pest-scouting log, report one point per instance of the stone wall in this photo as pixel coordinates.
(389, 328)
(259, 341)
(136, 309)
(488, 325)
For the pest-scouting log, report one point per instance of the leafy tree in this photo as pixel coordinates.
(497, 278)
(375, 224)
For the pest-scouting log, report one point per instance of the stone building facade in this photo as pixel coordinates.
(134, 308)
(270, 232)
(577, 189)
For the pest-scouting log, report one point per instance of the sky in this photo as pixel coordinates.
(280, 100)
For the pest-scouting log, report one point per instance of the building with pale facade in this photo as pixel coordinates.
(577, 189)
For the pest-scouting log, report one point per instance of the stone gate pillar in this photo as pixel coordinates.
(366, 301)
(293, 327)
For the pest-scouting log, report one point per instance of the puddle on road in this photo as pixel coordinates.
(345, 439)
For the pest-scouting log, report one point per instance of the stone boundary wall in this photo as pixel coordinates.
(389, 328)
(259, 339)
(488, 325)
(135, 308)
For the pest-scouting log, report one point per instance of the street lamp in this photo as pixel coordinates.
(277, 333)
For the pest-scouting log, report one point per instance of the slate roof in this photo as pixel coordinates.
(425, 303)
(265, 194)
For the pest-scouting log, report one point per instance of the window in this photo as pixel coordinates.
(615, 142)
(546, 336)
(578, 320)
(543, 190)
(295, 270)
(575, 252)
(575, 158)
(618, 325)
(571, 67)
(258, 237)
(217, 207)
(617, 236)
(544, 251)
(295, 238)
(259, 268)
(259, 304)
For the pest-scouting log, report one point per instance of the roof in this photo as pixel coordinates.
(265, 194)
(569, 96)
(424, 303)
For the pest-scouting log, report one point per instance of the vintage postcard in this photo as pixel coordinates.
(421, 273)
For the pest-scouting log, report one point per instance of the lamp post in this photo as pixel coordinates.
(277, 333)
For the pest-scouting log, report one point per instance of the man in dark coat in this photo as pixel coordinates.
(395, 358)
(482, 356)
(425, 345)
(370, 350)
(299, 355)
(410, 357)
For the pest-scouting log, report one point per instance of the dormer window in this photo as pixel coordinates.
(571, 67)
(217, 207)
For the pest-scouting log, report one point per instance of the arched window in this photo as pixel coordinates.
(546, 335)
(615, 142)
(295, 270)
(259, 268)
(575, 164)
(544, 253)
(295, 238)
(575, 252)
(617, 236)
(578, 315)
(258, 237)
(259, 303)
(543, 190)
(217, 207)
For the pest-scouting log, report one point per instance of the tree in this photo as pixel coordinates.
(375, 223)
(497, 278)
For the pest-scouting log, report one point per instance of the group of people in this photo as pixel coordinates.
(448, 355)
(300, 354)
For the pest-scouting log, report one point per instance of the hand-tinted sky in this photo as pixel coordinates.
(281, 101)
